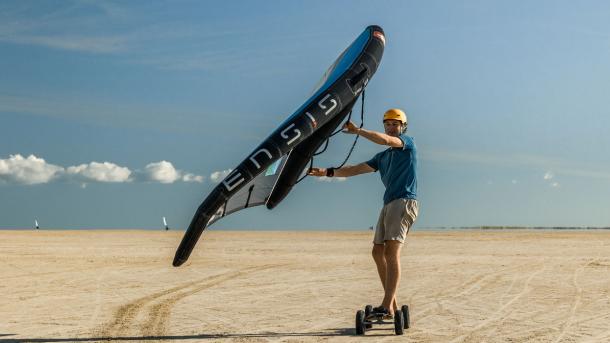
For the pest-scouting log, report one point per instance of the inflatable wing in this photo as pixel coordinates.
(269, 172)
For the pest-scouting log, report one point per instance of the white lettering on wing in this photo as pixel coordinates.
(285, 136)
(313, 120)
(253, 157)
(322, 106)
(233, 181)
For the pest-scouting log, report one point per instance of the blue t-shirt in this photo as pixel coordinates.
(398, 170)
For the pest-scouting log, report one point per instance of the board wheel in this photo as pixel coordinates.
(398, 323)
(368, 309)
(360, 327)
(405, 314)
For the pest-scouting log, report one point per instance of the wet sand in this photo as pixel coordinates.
(462, 286)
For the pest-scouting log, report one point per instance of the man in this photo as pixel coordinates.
(397, 167)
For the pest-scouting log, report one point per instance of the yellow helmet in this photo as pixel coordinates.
(396, 114)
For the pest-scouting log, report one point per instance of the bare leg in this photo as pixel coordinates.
(392, 269)
(380, 260)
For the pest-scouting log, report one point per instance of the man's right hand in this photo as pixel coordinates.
(317, 172)
(349, 127)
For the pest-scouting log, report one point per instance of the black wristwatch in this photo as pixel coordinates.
(330, 172)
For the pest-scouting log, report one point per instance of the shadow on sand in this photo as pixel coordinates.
(327, 333)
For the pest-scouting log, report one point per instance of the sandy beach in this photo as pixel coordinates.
(461, 286)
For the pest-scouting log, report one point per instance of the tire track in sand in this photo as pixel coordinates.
(578, 296)
(475, 283)
(500, 313)
(157, 314)
(575, 303)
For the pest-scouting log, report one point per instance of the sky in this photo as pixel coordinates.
(116, 114)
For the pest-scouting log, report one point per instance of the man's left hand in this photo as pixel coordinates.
(317, 172)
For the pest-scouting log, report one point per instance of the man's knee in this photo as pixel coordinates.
(378, 252)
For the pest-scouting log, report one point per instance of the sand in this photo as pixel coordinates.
(462, 286)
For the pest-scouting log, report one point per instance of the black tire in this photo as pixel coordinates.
(399, 323)
(405, 315)
(360, 328)
(367, 310)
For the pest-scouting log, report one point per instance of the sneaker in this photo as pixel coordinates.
(381, 312)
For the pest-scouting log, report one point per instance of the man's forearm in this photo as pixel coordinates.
(373, 136)
(348, 171)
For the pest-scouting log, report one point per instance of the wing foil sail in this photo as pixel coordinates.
(269, 172)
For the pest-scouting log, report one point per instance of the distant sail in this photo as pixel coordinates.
(165, 224)
(36, 223)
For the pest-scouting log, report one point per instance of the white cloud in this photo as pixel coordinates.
(34, 170)
(73, 42)
(31, 170)
(192, 178)
(218, 176)
(549, 177)
(162, 171)
(55, 28)
(514, 182)
(165, 172)
(101, 172)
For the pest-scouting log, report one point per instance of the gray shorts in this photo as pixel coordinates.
(395, 220)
